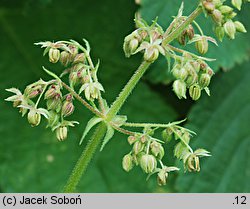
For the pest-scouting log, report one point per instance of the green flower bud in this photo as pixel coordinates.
(182, 38)
(225, 9)
(204, 80)
(231, 15)
(73, 78)
(167, 135)
(230, 29)
(54, 103)
(209, 6)
(132, 140)
(151, 54)
(52, 92)
(217, 3)
(190, 32)
(157, 149)
(202, 45)
(67, 108)
(195, 92)
(65, 58)
(138, 147)
(192, 74)
(61, 133)
(34, 118)
(148, 163)
(193, 163)
(176, 70)
(54, 55)
(183, 74)
(237, 4)
(240, 27)
(53, 119)
(127, 162)
(73, 52)
(133, 45)
(219, 32)
(162, 177)
(79, 58)
(179, 87)
(217, 16)
(195, 65)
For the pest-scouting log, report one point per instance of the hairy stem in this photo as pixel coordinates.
(85, 158)
(116, 106)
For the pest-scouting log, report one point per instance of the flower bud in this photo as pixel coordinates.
(127, 162)
(179, 88)
(219, 32)
(195, 92)
(52, 92)
(61, 133)
(230, 29)
(176, 70)
(148, 163)
(204, 80)
(65, 58)
(157, 149)
(195, 65)
(202, 45)
(133, 45)
(73, 78)
(237, 4)
(183, 74)
(79, 58)
(225, 9)
(67, 108)
(190, 32)
(217, 3)
(132, 140)
(54, 103)
(217, 16)
(151, 54)
(209, 6)
(162, 177)
(73, 52)
(53, 119)
(182, 38)
(193, 163)
(240, 27)
(54, 55)
(34, 118)
(167, 135)
(138, 147)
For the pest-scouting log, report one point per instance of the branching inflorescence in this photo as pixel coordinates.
(190, 71)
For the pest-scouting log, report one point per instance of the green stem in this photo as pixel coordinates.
(173, 35)
(85, 158)
(116, 106)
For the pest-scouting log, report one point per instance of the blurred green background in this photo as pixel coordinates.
(32, 160)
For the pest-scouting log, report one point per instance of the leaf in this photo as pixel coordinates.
(227, 54)
(109, 134)
(92, 122)
(32, 159)
(222, 125)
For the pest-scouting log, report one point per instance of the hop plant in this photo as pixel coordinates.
(79, 82)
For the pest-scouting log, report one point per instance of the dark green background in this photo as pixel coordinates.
(221, 121)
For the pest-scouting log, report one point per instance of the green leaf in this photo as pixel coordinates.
(109, 134)
(222, 125)
(92, 122)
(227, 54)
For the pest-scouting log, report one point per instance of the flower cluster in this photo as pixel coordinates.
(146, 39)
(191, 74)
(223, 16)
(57, 106)
(148, 152)
(78, 65)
